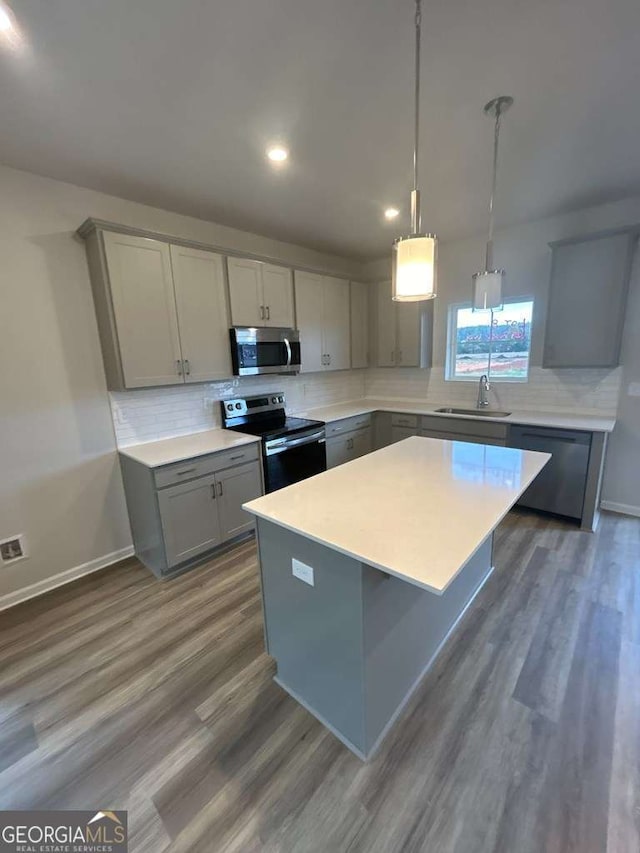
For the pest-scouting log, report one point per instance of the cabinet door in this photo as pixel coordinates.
(408, 334)
(145, 310)
(245, 292)
(235, 487)
(361, 442)
(277, 289)
(359, 324)
(338, 450)
(587, 301)
(309, 299)
(189, 515)
(336, 324)
(203, 317)
(386, 326)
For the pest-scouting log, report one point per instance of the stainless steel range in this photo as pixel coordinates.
(292, 448)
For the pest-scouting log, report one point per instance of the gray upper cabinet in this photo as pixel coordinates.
(161, 309)
(404, 330)
(587, 300)
(323, 315)
(261, 294)
(203, 318)
(359, 324)
(144, 310)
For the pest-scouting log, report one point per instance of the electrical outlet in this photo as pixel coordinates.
(302, 571)
(12, 549)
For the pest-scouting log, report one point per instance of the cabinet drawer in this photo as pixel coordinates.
(180, 472)
(347, 425)
(398, 420)
(461, 426)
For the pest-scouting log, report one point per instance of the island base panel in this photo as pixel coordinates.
(353, 647)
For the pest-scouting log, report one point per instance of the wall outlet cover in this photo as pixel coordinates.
(12, 549)
(302, 571)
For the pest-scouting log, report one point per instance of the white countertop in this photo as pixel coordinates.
(418, 509)
(559, 420)
(168, 450)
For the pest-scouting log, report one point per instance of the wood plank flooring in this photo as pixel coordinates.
(118, 691)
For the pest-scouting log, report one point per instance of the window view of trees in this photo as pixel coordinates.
(496, 342)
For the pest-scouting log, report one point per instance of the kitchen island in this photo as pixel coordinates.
(367, 568)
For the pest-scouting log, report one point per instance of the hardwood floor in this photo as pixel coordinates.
(118, 691)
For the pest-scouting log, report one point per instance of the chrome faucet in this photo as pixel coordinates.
(483, 392)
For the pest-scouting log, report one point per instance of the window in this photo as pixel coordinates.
(493, 342)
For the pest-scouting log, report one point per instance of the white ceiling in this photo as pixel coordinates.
(173, 103)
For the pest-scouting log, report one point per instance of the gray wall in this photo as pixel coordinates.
(621, 488)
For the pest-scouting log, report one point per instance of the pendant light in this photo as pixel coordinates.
(414, 257)
(487, 285)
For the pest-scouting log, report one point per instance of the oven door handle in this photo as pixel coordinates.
(288, 347)
(280, 447)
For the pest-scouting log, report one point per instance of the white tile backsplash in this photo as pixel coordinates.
(579, 391)
(152, 413)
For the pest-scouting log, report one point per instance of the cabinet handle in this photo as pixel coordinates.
(239, 456)
(262, 312)
(213, 491)
(187, 367)
(268, 313)
(220, 489)
(185, 471)
(393, 356)
(179, 366)
(329, 358)
(400, 356)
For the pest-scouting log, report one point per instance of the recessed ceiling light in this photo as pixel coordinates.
(391, 213)
(6, 22)
(277, 154)
(9, 31)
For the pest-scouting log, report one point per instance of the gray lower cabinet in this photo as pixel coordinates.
(235, 487)
(464, 429)
(180, 513)
(399, 433)
(189, 517)
(348, 446)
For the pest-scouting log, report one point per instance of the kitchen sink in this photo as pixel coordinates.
(479, 413)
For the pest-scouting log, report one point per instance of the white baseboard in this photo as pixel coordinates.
(623, 509)
(39, 588)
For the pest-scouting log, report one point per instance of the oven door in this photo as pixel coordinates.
(292, 460)
(256, 350)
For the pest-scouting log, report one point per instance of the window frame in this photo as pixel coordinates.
(450, 360)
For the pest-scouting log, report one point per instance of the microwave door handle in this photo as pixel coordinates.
(288, 348)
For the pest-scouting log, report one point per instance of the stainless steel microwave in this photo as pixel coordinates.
(264, 350)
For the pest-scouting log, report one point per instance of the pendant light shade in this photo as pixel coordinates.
(414, 257)
(414, 268)
(487, 289)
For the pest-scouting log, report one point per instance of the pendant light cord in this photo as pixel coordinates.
(496, 136)
(415, 195)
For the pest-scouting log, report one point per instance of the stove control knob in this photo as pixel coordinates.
(274, 399)
(238, 405)
(281, 399)
(229, 407)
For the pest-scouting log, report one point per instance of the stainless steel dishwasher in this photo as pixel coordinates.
(560, 486)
